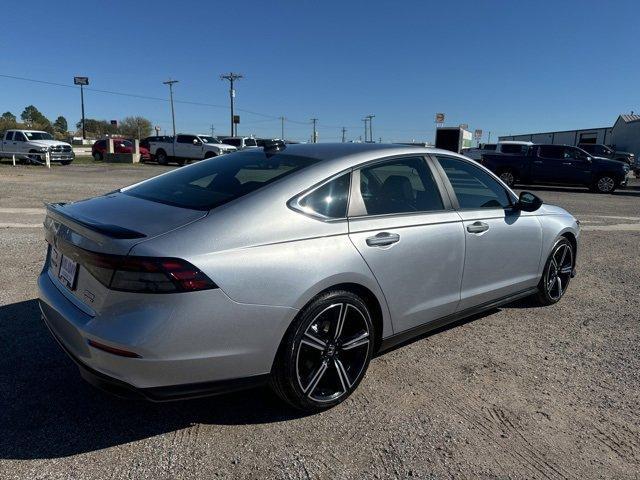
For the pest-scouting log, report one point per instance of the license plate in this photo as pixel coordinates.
(68, 272)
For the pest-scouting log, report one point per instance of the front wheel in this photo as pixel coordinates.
(97, 156)
(557, 273)
(325, 353)
(161, 157)
(604, 184)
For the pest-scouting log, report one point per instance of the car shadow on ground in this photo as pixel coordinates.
(48, 411)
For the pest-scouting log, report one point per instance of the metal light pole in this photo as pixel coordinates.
(282, 119)
(344, 131)
(370, 117)
(232, 77)
(173, 115)
(366, 130)
(314, 139)
(82, 81)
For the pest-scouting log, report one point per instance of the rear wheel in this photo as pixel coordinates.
(508, 177)
(325, 353)
(604, 184)
(33, 159)
(210, 155)
(161, 157)
(557, 273)
(97, 156)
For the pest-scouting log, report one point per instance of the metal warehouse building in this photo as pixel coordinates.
(623, 136)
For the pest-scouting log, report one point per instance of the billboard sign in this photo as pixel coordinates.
(81, 80)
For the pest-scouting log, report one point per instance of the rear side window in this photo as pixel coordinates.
(399, 186)
(185, 139)
(211, 183)
(329, 200)
(474, 187)
(9, 136)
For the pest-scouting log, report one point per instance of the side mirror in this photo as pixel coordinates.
(528, 202)
(196, 141)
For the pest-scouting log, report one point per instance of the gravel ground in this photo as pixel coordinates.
(519, 392)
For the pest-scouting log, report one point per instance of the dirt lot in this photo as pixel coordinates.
(519, 392)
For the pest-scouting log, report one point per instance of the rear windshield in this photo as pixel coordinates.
(211, 183)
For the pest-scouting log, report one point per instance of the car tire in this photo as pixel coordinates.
(508, 177)
(325, 353)
(604, 184)
(161, 157)
(557, 273)
(210, 155)
(33, 159)
(97, 156)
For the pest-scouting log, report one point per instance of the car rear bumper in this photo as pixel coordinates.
(205, 346)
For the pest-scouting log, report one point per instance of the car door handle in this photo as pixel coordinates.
(537, 162)
(383, 239)
(477, 227)
(567, 163)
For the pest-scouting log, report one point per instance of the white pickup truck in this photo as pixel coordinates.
(185, 147)
(35, 142)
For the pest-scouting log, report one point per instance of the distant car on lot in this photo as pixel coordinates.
(240, 142)
(146, 142)
(35, 142)
(186, 147)
(476, 153)
(292, 265)
(603, 151)
(99, 149)
(558, 165)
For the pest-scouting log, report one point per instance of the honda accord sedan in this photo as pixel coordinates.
(290, 265)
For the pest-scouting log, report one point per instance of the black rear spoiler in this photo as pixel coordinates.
(108, 230)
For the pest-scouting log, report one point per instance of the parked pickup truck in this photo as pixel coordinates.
(558, 165)
(185, 147)
(34, 142)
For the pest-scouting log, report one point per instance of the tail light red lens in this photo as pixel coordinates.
(145, 274)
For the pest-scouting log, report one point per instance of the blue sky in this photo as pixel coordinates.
(502, 66)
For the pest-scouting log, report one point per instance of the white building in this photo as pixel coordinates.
(623, 136)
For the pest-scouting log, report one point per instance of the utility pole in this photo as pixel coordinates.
(344, 130)
(173, 115)
(213, 129)
(282, 119)
(314, 139)
(82, 81)
(232, 77)
(366, 130)
(489, 139)
(370, 117)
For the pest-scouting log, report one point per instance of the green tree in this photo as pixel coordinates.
(96, 128)
(60, 125)
(135, 127)
(33, 117)
(8, 117)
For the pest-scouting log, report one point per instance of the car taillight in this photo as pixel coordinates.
(146, 274)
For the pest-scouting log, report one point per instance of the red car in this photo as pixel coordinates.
(120, 145)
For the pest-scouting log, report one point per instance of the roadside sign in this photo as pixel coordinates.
(114, 122)
(236, 119)
(439, 117)
(81, 80)
(477, 134)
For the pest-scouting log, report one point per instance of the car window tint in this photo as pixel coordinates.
(9, 136)
(18, 137)
(214, 182)
(399, 186)
(474, 187)
(250, 142)
(330, 200)
(511, 148)
(232, 141)
(185, 138)
(551, 151)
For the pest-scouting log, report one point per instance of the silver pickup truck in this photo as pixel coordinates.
(30, 145)
(185, 147)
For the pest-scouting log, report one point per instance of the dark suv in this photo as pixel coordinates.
(603, 151)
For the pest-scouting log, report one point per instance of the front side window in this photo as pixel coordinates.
(38, 136)
(211, 183)
(250, 142)
(473, 187)
(402, 185)
(18, 137)
(329, 200)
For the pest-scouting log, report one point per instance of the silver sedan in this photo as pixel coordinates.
(291, 265)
